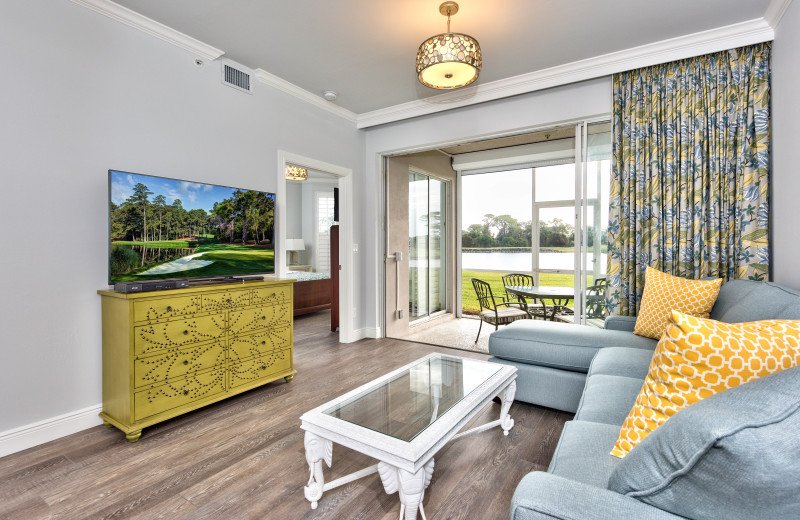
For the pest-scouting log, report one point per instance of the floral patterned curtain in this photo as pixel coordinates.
(689, 172)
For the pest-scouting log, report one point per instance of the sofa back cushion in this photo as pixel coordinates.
(740, 301)
(733, 455)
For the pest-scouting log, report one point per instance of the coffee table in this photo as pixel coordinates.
(403, 419)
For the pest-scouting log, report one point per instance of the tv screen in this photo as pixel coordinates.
(167, 228)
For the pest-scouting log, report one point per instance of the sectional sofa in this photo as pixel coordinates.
(731, 456)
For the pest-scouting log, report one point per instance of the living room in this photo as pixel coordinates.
(86, 93)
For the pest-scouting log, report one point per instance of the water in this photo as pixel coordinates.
(522, 262)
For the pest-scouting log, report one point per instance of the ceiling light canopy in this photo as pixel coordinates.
(448, 60)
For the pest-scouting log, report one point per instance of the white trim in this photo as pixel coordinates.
(151, 27)
(367, 332)
(346, 233)
(290, 88)
(34, 434)
(704, 42)
(775, 11)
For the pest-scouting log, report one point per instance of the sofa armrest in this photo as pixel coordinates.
(623, 323)
(544, 496)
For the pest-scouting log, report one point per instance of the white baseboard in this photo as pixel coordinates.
(30, 435)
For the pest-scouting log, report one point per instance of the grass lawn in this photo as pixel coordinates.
(227, 259)
(469, 302)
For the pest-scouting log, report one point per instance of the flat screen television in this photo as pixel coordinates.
(161, 228)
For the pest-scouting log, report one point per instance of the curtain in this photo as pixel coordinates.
(689, 172)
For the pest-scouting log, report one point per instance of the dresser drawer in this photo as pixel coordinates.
(177, 363)
(178, 333)
(260, 367)
(178, 393)
(260, 343)
(164, 308)
(272, 296)
(227, 299)
(252, 320)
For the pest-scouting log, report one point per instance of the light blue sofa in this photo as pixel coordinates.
(736, 455)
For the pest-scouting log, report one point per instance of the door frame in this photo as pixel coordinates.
(346, 257)
(380, 162)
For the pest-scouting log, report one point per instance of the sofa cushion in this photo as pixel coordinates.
(582, 453)
(764, 302)
(697, 358)
(792, 312)
(608, 399)
(731, 293)
(558, 345)
(621, 361)
(733, 455)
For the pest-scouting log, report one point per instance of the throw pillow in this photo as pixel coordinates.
(699, 357)
(732, 456)
(664, 293)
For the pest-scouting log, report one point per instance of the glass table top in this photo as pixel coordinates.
(404, 405)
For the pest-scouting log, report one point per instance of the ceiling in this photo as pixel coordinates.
(365, 50)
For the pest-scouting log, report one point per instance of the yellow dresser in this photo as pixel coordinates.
(169, 352)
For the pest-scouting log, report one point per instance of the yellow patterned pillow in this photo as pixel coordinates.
(699, 357)
(664, 293)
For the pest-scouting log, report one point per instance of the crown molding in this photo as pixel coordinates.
(775, 12)
(696, 44)
(290, 88)
(151, 27)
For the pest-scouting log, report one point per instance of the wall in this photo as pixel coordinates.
(81, 94)
(512, 115)
(786, 131)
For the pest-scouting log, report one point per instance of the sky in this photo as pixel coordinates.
(193, 195)
(511, 193)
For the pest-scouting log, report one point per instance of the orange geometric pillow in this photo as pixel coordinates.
(664, 293)
(697, 358)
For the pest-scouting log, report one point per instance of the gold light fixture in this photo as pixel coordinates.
(296, 173)
(448, 60)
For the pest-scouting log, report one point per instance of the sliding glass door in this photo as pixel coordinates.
(427, 276)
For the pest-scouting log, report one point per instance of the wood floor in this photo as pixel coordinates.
(244, 457)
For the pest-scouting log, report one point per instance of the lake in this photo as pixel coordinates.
(522, 262)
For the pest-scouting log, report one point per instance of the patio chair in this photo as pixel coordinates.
(596, 299)
(494, 312)
(535, 308)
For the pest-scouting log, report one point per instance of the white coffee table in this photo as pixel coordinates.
(402, 419)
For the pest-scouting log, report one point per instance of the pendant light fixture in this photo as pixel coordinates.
(448, 60)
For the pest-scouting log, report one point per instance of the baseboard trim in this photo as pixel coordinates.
(30, 435)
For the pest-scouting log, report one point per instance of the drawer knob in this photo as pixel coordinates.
(263, 367)
(185, 361)
(263, 317)
(185, 332)
(169, 308)
(263, 342)
(228, 300)
(185, 392)
(274, 295)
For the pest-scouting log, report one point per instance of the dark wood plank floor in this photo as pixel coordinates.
(244, 457)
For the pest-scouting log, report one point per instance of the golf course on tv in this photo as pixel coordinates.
(217, 231)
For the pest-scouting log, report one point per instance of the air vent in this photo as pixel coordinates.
(236, 78)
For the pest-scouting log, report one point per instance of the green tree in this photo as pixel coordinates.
(139, 200)
(160, 208)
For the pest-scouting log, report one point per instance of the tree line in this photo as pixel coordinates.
(506, 231)
(247, 216)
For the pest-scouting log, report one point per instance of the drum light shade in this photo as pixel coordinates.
(448, 60)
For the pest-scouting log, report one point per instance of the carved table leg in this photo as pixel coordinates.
(506, 398)
(317, 450)
(410, 486)
(133, 436)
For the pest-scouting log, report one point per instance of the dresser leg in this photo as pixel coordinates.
(107, 424)
(133, 436)
(289, 378)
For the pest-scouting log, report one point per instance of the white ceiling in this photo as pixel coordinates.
(365, 50)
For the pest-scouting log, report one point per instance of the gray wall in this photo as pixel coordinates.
(548, 107)
(785, 165)
(80, 94)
